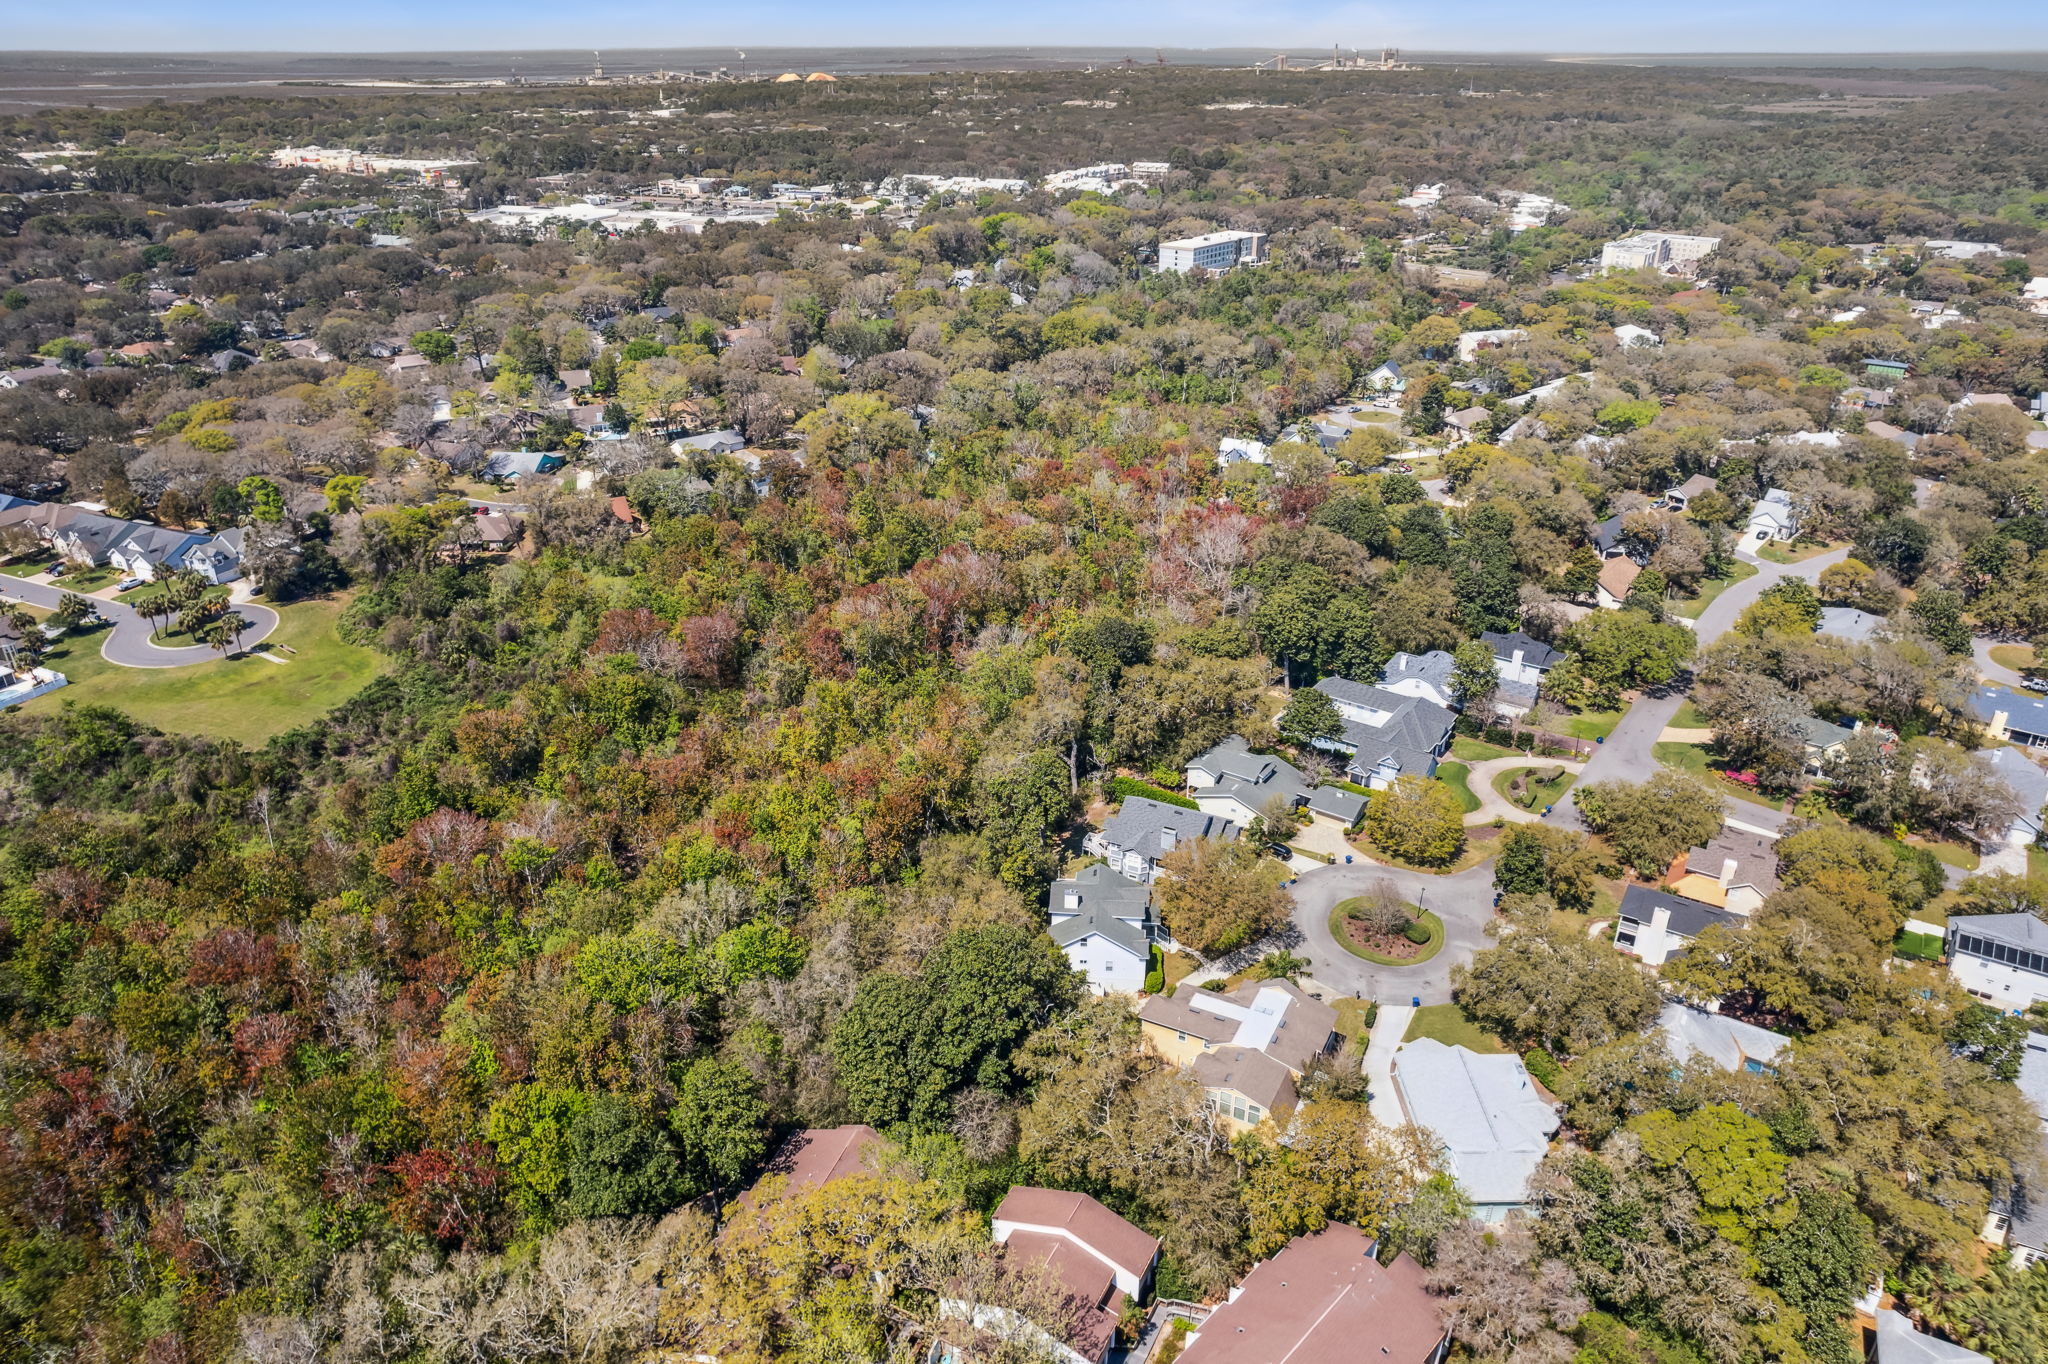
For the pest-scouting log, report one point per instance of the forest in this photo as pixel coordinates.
(448, 1023)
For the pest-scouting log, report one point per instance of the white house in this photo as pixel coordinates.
(1386, 378)
(1728, 1042)
(1104, 924)
(1140, 835)
(1237, 450)
(1080, 1222)
(1471, 343)
(1386, 735)
(1492, 1125)
(1232, 781)
(1427, 677)
(1654, 925)
(1521, 664)
(1628, 335)
(1773, 518)
(2002, 959)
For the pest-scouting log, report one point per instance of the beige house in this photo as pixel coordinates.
(1245, 1049)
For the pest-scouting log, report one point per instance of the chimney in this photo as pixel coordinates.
(1073, 899)
(1660, 924)
(1168, 840)
(1518, 657)
(1727, 872)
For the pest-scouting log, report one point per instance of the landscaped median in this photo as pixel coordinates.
(1348, 932)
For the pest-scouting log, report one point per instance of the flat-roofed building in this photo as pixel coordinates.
(1212, 251)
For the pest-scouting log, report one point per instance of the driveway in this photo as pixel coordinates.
(1387, 1032)
(127, 643)
(1463, 901)
(1996, 673)
(1492, 805)
(1628, 754)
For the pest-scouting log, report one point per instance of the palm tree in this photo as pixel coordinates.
(234, 624)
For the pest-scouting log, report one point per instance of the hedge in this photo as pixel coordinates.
(1123, 788)
(1155, 972)
(1544, 1067)
(1311, 854)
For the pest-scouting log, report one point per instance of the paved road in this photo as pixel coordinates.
(1492, 805)
(1628, 753)
(127, 643)
(1980, 649)
(1463, 901)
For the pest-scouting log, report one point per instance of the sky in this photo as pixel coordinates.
(1451, 25)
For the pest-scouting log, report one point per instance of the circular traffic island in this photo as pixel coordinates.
(1360, 930)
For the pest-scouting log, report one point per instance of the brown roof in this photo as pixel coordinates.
(623, 510)
(1253, 1074)
(1618, 575)
(1094, 1302)
(1303, 1032)
(1324, 1300)
(1086, 1222)
(820, 1155)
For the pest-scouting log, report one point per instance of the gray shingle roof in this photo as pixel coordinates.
(1434, 667)
(1535, 652)
(1899, 1343)
(2014, 930)
(1108, 904)
(1845, 622)
(1142, 821)
(1819, 733)
(2028, 780)
(1725, 1041)
(1414, 733)
(1689, 918)
(2027, 714)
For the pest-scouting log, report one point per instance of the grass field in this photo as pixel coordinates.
(1474, 751)
(1538, 794)
(1695, 759)
(1447, 1024)
(1343, 937)
(1711, 589)
(1802, 551)
(1351, 1018)
(2018, 657)
(1689, 717)
(1454, 775)
(245, 698)
(1591, 724)
(1949, 854)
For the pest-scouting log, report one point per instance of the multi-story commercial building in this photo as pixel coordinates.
(1213, 251)
(1665, 252)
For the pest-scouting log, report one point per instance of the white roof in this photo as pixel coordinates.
(1725, 1041)
(1484, 1110)
(1899, 1343)
(1206, 239)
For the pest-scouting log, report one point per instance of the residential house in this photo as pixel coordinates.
(1325, 436)
(1140, 835)
(1097, 1260)
(1386, 735)
(1238, 450)
(623, 513)
(1617, 578)
(1485, 1113)
(1728, 1042)
(2000, 958)
(2029, 781)
(15, 378)
(1609, 541)
(88, 539)
(1772, 519)
(1866, 398)
(220, 560)
(1471, 343)
(515, 464)
(1888, 371)
(1386, 378)
(1464, 423)
(1104, 924)
(303, 348)
(1521, 664)
(143, 350)
(147, 551)
(726, 442)
(1655, 925)
(1958, 250)
(1628, 335)
(1323, 1299)
(1424, 676)
(1246, 1049)
(2007, 715)
(1679, 498)
(2019, 1222)
(1823, 742)
(1232, 781)
(1846, 622)
(1886, 431)
(1898, 1341)
(407, 363)
(817, 1156)
(495, 530)
(227, 361)
(1736, 871)
(573, 379)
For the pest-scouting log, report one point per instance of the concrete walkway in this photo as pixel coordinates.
(128, 643)
(1493, 805)
(1675, 734)
(1387, 1031)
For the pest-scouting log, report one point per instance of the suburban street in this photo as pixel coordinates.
(1464, 901)
(127, 640)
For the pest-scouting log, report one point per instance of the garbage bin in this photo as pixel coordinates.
(1415, 1001)
(1347, 859)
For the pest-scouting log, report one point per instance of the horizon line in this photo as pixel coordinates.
(1028, 47)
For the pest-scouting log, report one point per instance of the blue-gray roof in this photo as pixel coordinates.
(1845, 622)
(1138, 826)
(1434, 667)
(1689, 917)
(1414, 732)
(2028, 780)
(1108, 906)
(1535, 652)
(2027, 714)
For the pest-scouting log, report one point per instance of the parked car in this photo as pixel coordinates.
(128, 584)
(1281, 851)
(2035, 683)
(56, 570)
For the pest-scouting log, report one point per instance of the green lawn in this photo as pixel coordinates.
(1591, 724)
(1429, 949)
(1473, 751)
(1802, 551)
(1179, 966)
(245, 698)
(1537, 794)
(1695, 759)
(88, 580)
(1713, 588)
(2018, 657)
(2037, 861)
(1454, 775)
(25, 568)
(1448, 1024)
(1949, 854)
(1689, 717)
(1351, 1018)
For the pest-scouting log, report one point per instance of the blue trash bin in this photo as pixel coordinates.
(1415, 1001)
(1347, 859)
